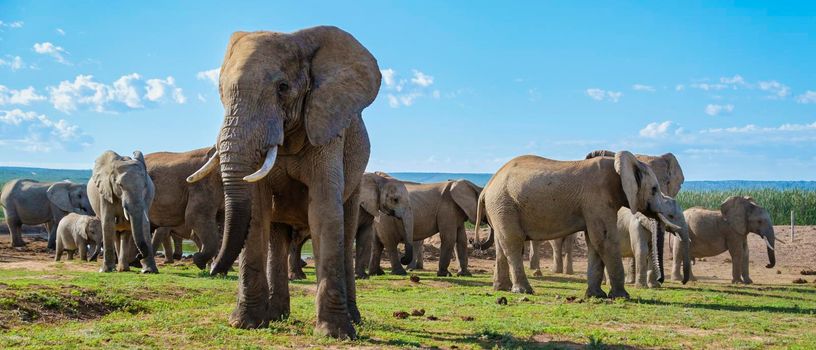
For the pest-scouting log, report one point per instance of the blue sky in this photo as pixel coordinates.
(730, 87)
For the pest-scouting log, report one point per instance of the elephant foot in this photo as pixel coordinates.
(200, 260)
(747, 281)
(399, 272)
(631, 281)
(107, 268)
(558, 270)
(464, 273)
(653, 284)
(18, 243)
(303, 263)
(339, 329)
(376, 272)
(498, 286)
(148, 265)
(522, 289)
(443, 273)
(177, 256)
(568, 271)
(250, 317)
(615, 294)
(538, 273)
(595, 293)
(361, 276)
(149, 269)
(297, 275)
(279, 312)
(676, 277)
(354, 314)
(122, 268)
(413, 266)
(169, 261)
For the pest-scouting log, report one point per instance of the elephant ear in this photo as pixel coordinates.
(103, 174)
(676, 177)
(599, 153)
(734, 211)
(345, 79)
(628, 167)
(466, 194)
(58, 194)
(370, 193)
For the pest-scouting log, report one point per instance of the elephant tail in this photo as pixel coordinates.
(477, 241)
(600, 153)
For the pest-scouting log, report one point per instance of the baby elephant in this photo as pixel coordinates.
(76, 232)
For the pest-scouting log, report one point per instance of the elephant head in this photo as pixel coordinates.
(641, 189)
(384, 195)
(124, 181)
(93, 232)
(70, 197)
(275, 88)
(744, 216)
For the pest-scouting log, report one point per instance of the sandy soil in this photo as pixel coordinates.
(792, 258)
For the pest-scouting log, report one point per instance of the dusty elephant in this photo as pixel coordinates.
(292, 150)
(538, 198)
(441, 207)
(381, 197)
(28, 202)
(121, 192)
(670, 178)
(562, 254)
(75, 232)
(713, 232)
(180, 204)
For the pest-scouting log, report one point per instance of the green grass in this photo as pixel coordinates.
(778, 202)
(182, 308)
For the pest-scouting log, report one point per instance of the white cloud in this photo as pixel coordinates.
(735, 80)
(388, 76)
(807, 98)
(211, 75)
(709, 87)
(14, 25)
(679, 87)
(123, 94)
(657, 130)
(19, 97)
(778, 89)
(15, 62)
(422, 79)
(393, 101)
(32, 132)
(60, 31)
(751, 128)
(641, 87)
(601, 95)
(714, 110)
(52, 50)
(201, 98)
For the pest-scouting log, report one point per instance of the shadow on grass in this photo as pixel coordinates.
(757, 292)
(737, 308)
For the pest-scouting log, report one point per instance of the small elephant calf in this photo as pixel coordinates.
(76, 232)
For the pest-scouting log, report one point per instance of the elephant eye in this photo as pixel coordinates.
(654, 190)
(283, 88)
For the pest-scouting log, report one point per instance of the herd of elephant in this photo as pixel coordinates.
(288, 165)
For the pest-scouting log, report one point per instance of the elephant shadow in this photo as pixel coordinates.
(757, 292)
(726, 307)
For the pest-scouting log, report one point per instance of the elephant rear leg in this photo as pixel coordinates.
(512, 242)
(277, 277)
(417, 263)
(558, 254)
(161, 237)
(178, 247)
(60, 248)
(461, 251)
(295, 252)
(207, 233)
(374, 268)
(501, 272)
(535, 257)
(125, 247)
(566, 250)
(362, 251)
(15, 228)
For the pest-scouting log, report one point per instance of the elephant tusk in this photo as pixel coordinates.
(768, 244)
(205, 170)
(266, 167)
(668, 223)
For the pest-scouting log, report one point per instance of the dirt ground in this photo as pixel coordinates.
(791, 258)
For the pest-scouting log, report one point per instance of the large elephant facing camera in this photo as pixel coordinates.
(121, 192)
(292, 150)
(28, 202)
(536, 198)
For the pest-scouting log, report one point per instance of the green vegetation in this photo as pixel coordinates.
(778, 202)
(182, 308)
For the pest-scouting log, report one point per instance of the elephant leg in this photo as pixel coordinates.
(641, 260)
(461, 251)
(52, 231)
(501, 273)
(110, 243)
(207, 232)
(295, 265)
(279, 241)
(535, 257)
(253, 308)
(609, 250)
(15, 228)
(419, 251)
(125, 243)
(512, 242)
(363, 250)
(60, 248)
(82, 247)
(178, 247)
(745, 260)
(374, 268)
(736, 251)
(169, 249)
(566, 249)
(161, 236)
(351, 212)
(448, 239)
(558, 261)
(71, 254)
(595, 270)
(677, 259)
(394, 257)
(631, 270)
(326, 223)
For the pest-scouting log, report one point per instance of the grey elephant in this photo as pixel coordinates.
(441, 207)
(76, 232)
(381, 197)
(28, 202)
(713, 232)
(180, 204)
(292, 151)
(670, 178)
(121, 193)
(562, 255)
(536, 198)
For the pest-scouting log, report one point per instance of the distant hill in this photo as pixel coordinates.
(43, 175)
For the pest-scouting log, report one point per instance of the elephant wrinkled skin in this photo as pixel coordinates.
(121, 192)
(28, 202)
(536, 198)
(76, 232)
(292, 150)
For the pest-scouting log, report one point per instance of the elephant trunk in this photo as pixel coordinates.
(770, 240)
(658, 236)
(237, 215)
(408, 229)
(97, 250)
(487, 243)
(685, 251)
